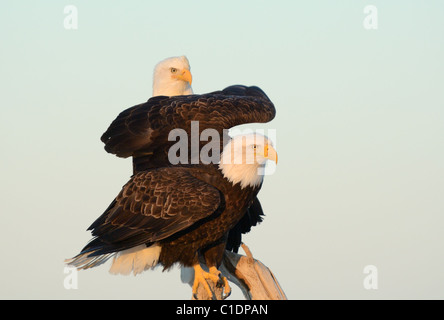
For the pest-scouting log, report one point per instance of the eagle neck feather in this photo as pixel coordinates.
(245, 174)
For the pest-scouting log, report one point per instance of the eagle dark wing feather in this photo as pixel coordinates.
(144, 127)
(152, 206)
(252, 217)
(134, 128)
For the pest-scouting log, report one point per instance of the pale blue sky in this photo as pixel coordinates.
(359, 125)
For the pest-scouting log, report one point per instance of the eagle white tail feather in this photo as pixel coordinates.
(136, 260)
(84, 261)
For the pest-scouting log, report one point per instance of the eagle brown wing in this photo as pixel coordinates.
(152, 206)
(143, 128)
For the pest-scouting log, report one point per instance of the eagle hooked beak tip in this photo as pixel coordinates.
(186, 76)
(270, 153)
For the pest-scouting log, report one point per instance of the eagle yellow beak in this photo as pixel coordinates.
(270, 153)
(185, 76)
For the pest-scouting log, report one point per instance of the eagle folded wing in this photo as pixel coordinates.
(152, 206)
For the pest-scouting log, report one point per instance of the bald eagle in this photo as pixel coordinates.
(173, 214)
(172, 77)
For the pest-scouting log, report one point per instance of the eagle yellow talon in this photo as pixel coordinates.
(201, 277)
(227, 288)
(221, 281)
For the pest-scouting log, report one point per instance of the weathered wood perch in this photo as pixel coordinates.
(256, 281)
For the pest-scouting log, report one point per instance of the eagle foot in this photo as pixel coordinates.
(201, 277)
(221, 282)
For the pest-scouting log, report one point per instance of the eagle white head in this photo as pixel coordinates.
(172, 77)
(243, 159)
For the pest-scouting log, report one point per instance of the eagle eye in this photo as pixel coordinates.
(173, 70)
